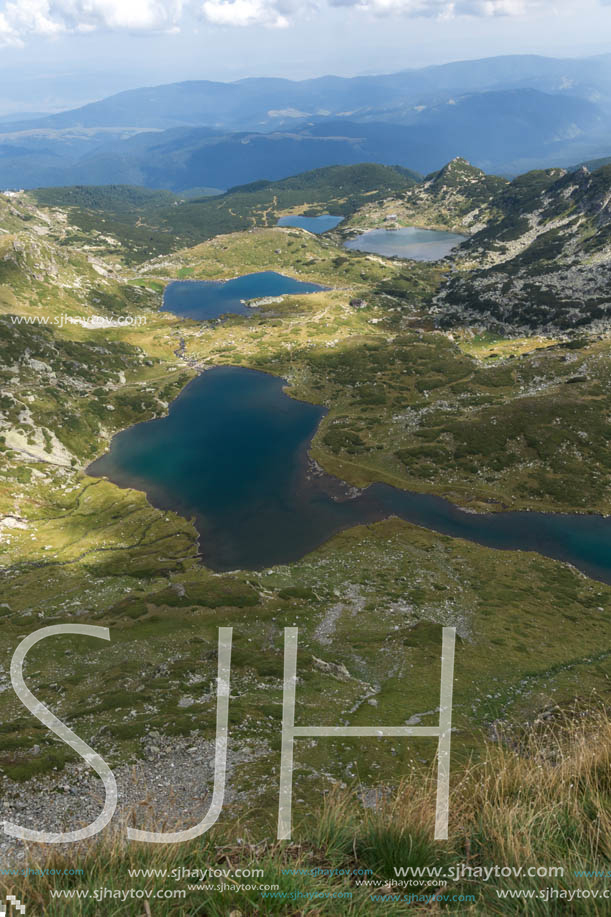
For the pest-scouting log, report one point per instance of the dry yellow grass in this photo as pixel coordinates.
(539, 799)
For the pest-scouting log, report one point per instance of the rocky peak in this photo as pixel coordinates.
(454, 174)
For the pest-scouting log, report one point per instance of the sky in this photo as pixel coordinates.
(57, 54)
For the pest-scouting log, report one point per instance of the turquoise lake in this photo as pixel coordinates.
(408, 242)
(208, 299)
(232, 453)
(316, 225)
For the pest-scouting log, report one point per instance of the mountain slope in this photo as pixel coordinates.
(405, 404)
(136, 223)
(538, 254)
(457, 197)
(544, 261)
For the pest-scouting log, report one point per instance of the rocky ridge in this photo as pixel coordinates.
(543, 260)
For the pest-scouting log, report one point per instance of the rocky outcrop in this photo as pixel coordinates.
(543, 260)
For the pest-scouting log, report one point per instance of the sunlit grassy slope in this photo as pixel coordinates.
(489, 421)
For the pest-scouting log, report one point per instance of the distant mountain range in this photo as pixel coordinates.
(269, 104)
(505, 114)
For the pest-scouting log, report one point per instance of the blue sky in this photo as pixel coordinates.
(59, 53)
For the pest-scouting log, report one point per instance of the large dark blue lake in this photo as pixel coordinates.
(232, 453)
(207, 299)
(408, 242)
(316, 225)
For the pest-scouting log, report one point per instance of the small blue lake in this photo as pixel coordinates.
(232, 453)
(207, 299)
(408, 242)
(316, 225)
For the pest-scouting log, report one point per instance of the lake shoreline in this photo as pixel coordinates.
(208, 300)
(311, 509)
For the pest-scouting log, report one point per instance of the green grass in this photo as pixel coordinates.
(407, 404)
(529, 635)
(135, 224)
(542, 804)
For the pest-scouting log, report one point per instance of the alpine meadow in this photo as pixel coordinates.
(305, 460)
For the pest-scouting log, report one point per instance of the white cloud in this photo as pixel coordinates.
(8, 35)
(22, 18)
(136, 15)
(283, 12)
(246, 12)
(445, 9)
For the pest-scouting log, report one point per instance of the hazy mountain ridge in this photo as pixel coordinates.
(503, 114)
(505, 131)
(268, 103)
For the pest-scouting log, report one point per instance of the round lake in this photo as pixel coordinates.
(408, 242)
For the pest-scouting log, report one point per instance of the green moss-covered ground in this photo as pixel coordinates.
(407, 404)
